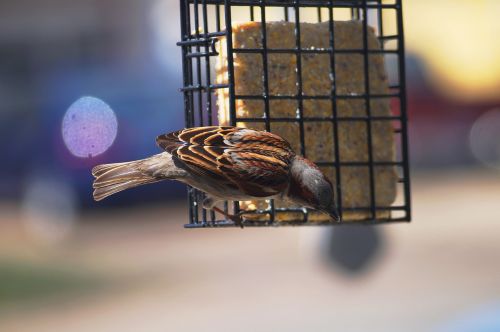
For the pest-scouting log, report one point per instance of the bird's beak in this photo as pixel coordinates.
(334, 214)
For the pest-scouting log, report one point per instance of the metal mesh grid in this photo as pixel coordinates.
(204, 21)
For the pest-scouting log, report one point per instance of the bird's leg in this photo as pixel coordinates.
(210, 203)
(234, 218)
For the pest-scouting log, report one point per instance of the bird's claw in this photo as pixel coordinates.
(238, 220)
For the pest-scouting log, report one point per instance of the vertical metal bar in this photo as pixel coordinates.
(355, 11)
(186, 73)
(403, 106)
(192, 191)
(189, 64)
(230, 64)
(230, 73)
(265, 76)
(300, 97)
(208, 93)
(285, 13)
(319, 15)
(207, 66)
(252, 15)
(217, 17)
(199, 92)
(265, 65)
(218, 23)
(368, 110)
(198, 61)
(380, 23)
(334, 108)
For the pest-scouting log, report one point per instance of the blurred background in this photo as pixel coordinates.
(127, 264)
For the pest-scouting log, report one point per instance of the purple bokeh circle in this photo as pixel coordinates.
(89, 127)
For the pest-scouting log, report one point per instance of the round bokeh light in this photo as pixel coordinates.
(89, 127)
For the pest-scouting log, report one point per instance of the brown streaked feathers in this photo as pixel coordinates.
(233, 155)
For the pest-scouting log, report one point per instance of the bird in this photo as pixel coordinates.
(226, 163)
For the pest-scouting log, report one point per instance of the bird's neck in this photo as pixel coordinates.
(299, 190)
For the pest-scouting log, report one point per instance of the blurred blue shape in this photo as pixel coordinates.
(89, 127)
(146, 102)
(483, 319)
(353, 248)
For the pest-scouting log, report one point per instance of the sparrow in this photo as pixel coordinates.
(227, 163)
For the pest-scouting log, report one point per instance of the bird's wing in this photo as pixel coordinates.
(192, 136)
(256, 162)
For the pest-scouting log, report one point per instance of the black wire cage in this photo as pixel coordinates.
(205, 23)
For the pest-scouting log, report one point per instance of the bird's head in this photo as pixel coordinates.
(311, 188)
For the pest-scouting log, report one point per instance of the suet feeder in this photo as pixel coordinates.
(327, 75)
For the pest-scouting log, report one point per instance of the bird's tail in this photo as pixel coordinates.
(113, 178)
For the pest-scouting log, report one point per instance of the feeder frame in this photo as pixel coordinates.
(199, 52)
